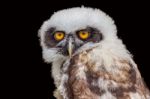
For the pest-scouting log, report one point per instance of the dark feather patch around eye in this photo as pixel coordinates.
(95, 35)
(49, 38)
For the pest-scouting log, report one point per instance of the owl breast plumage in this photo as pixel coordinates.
(88, 60)
(86, 78)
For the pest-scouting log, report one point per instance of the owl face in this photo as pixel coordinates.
(74, 30)
(67, 43)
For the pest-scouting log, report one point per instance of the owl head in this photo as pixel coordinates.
(73, 30)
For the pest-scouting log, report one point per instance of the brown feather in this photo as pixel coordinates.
(128, 80)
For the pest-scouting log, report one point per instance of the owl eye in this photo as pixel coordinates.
(59, 36)
(84, 35)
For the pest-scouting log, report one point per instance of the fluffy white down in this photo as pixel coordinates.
(76, 18)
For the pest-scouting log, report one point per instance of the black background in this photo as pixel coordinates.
(31, 76)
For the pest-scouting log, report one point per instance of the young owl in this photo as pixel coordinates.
(88, 60)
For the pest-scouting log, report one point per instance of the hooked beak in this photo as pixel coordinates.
(70, 47)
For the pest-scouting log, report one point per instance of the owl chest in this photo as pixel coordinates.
(96, 85)
(86, 80)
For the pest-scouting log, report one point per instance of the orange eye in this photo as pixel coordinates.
(59, 36)
(84, 35)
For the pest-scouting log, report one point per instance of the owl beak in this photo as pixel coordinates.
(70, 47)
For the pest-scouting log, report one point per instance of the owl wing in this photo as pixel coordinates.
(121, 81)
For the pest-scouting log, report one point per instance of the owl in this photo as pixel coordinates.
(88, 59)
